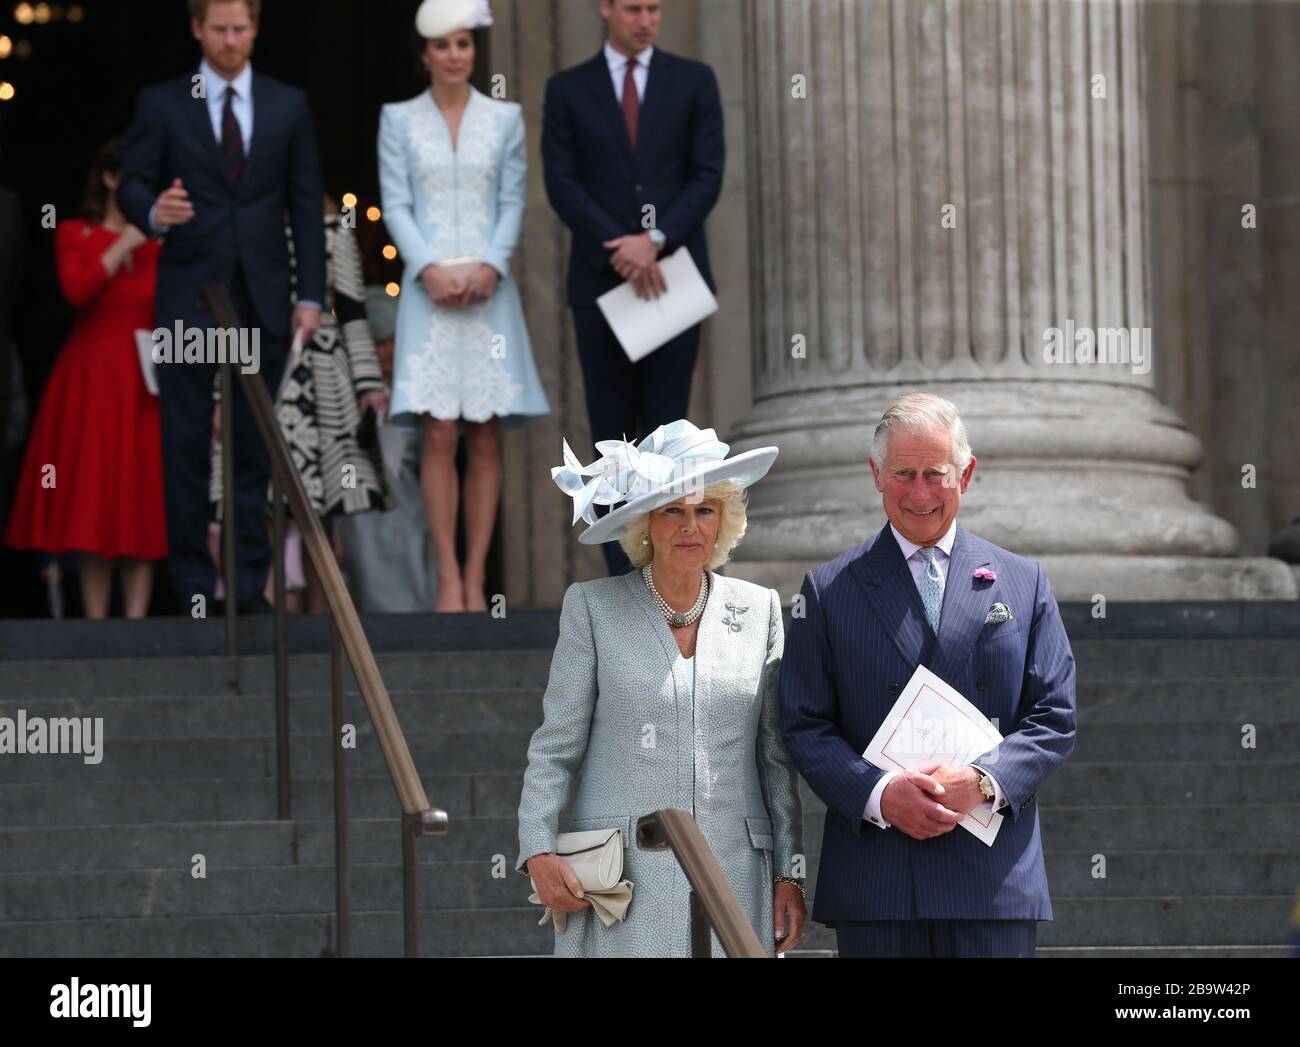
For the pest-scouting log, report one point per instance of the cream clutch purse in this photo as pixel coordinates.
(460, 268)
(596, 858)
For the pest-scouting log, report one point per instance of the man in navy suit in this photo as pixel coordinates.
(633, 148)
(214, 162)
(897, 877)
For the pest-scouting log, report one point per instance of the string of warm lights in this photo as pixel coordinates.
(26, 14)
(374, 214)
(43, 14)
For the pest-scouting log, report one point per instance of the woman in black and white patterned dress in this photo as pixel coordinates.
(325, 395)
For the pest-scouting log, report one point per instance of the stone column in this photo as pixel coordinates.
(1225, 163)
(933, 186)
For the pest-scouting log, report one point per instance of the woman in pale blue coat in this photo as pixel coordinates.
(664, 693)
(453, 174)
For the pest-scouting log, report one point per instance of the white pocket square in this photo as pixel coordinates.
(999, 612)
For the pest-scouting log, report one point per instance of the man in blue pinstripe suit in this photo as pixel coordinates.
(895, 878)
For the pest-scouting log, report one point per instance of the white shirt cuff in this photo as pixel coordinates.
(872, 813)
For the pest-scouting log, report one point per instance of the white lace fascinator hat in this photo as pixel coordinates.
(437, 18)
(674, 461)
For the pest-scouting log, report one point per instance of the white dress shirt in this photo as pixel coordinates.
(216, 86)
(618, 70)
(916, 564)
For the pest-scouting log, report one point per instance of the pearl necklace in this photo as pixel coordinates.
(677, 619)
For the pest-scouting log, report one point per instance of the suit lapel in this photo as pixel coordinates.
(261, 117)
(966, 603)
(712, 634)
(654, 616)
(603, 91)
(658, 83)
(890, 590)
(201, 123)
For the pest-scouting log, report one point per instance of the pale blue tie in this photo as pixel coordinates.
(931, 587)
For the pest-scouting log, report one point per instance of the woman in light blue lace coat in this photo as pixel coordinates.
(642, 715)
(453, 175)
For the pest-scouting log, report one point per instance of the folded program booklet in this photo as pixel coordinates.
(933, 723)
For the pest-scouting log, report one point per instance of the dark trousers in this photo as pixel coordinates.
(931, 938)
(186, 404)
(631, 400)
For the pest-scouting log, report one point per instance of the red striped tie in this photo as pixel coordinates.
(232, 141)
(631, 103)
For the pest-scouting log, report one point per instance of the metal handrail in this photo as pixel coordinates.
(713, 902)
(347, 637)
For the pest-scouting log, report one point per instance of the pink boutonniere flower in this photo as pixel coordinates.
(985, 574)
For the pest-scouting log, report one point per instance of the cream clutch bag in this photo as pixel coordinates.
(596, 858)
(460, 268)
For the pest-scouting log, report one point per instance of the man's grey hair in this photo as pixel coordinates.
(918, 413)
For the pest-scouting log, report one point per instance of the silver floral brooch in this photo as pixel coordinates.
(732, 620)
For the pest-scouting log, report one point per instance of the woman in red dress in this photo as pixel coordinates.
(92, 478)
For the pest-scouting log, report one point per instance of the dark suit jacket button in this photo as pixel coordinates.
(979, 685)
(638, 187)
(894, 688)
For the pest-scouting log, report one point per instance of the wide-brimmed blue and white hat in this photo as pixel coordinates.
(674, 461)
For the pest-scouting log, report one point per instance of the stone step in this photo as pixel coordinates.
(1235, 781)
(1163, 873)
(1182, 741)
(244, 716)
(484, 794)
(465, 932)
(1250, 827)
(33, 804)
(1109, 830)
(1248, 699)
(438, 671)
(1260, 701)
(231, 845)
(1166, 952)
(174, 892)
(1194, 920)
(1128, 827)
(1151, 924)
(1166, 659)
(1099, 661)
(502, 750)
(1187, 920)
(488, 884)
(1134, 952)
(127, 759)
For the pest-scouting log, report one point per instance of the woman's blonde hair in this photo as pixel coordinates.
(731, 530)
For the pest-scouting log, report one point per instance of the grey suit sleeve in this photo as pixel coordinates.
(560, 743)
(776, 771)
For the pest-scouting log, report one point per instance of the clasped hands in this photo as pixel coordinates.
(454, 292)
(931, 800)
(636, 259)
